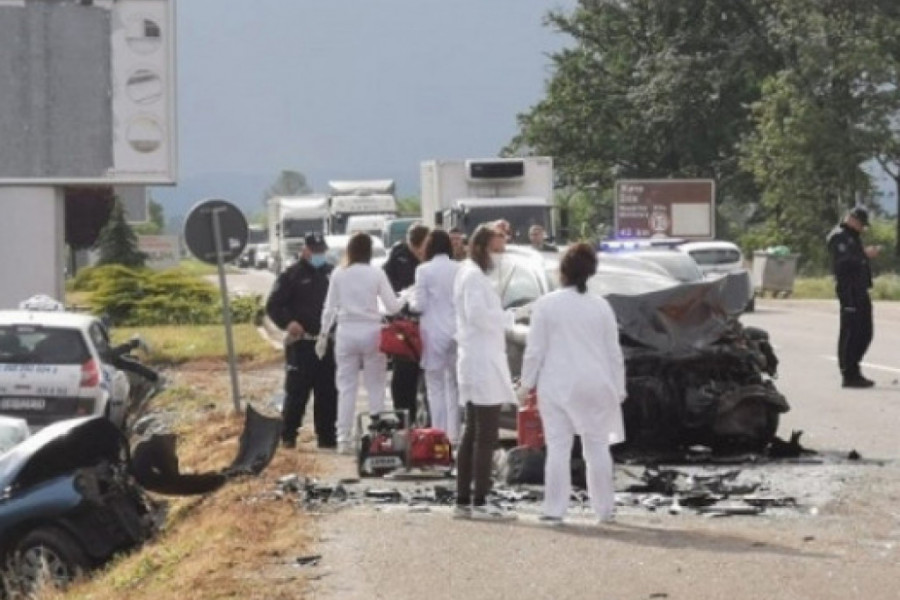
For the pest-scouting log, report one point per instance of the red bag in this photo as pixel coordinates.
(400, 338)
(529, 427)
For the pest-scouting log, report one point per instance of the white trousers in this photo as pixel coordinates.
(559, 434)
(443, 401)
(355, 349)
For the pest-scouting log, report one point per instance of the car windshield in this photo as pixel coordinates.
(716, 256)
(42, 345)
(518, 280)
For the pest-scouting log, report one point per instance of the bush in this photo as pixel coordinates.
(134, 297)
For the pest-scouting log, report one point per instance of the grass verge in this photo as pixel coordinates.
(885, 287)
(177, 344)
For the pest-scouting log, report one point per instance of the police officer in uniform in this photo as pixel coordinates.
(295, 305)
(400, 268)
(853, 278)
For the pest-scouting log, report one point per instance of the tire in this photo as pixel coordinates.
(48, 554)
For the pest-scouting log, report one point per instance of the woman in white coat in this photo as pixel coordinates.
(433, 298)
(483, 372)
(352, 302)
(574, 360)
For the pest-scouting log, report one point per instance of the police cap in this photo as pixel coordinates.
(315, 242)
(860, 214)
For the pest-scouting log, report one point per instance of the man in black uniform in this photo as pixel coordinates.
(295, 305)
(853, 278)
(400, 267)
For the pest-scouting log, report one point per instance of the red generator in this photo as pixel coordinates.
(386, 445)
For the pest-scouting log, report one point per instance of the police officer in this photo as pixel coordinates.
(400, 268)
(295, 305)
(853, 278)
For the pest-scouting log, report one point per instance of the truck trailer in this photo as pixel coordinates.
(358, 198)
(464, 193)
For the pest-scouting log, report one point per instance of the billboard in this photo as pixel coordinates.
(682, 208)
(88, 92)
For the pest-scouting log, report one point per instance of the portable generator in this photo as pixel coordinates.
(386, 444)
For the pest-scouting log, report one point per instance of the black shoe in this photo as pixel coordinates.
(328, 445)
(857, 382)
(288, 443)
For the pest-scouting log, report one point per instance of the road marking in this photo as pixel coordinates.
(868, 365)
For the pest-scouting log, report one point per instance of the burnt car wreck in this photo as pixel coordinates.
(695, 375)
(72, 495)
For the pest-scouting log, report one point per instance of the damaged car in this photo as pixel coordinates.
(72, 495)
(695, 375)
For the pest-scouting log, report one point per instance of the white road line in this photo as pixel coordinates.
(868, 365)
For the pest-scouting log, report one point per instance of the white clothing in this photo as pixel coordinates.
(482, 369)
(443, 401)
(352, 301)
(573, 358)
(433, 297)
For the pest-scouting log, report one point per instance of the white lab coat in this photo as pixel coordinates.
(482, 369)
(352, 301)
(433, 297)
(573, 358)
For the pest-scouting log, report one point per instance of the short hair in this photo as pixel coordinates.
(416, 234)
(438, 242)
(455, 229)
(577, 265)
(359, 248)
(479, 244)
(535, 227)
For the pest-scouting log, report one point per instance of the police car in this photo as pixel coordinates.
(52, 367)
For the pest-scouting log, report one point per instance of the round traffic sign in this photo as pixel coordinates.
(200, 230)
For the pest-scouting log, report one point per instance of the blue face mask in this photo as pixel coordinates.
(317, 260)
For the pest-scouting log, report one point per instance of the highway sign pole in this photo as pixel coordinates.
(226, 306)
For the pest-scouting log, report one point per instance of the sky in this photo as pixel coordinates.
(348, 89)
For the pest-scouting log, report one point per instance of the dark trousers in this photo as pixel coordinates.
(305, 373)
(476, 453)
(405, 386)
(856, 334)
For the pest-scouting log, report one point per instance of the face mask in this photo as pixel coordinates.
(317, 260)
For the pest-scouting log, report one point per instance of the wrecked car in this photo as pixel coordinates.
(695, 374)
(73, 495)
(68, 502)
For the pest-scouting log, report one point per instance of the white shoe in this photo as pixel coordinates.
(345, 448)
(607, 519)
(490, 512)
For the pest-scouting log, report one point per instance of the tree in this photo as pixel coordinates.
(87, 211)
(118, 242)
(288, 183)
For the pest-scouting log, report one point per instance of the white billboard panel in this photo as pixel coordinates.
(88, 91)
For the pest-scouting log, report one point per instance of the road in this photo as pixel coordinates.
(844, 544)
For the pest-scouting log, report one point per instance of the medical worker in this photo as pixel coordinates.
(352, 302)
(483, 373)
(433, 298)
(574, 360)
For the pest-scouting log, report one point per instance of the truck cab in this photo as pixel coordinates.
(356, 199)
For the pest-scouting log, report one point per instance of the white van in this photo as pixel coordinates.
(716, 258)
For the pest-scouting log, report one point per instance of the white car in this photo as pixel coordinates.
(718, 257)
(52, 367)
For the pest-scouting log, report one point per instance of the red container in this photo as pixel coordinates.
(429, 447)
(529, 429)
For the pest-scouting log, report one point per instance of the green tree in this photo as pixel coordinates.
(288, 183)
(118, 242)
(409, 207)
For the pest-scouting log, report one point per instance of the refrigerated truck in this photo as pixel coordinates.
(291, 218)
(464, 193)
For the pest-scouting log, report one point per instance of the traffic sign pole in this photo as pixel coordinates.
(226, 307)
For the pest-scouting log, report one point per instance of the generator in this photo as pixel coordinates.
(386, 444)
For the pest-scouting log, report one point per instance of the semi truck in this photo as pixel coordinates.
(291, 218)
(357, 198)
(464, 193)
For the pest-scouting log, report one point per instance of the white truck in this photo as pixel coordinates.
(291, 218)
(464, 193)
(357, 198)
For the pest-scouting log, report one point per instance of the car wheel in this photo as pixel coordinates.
(48, 555)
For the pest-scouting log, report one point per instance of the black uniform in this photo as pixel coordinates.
(853, 278)
(401, 271)
(299, 295)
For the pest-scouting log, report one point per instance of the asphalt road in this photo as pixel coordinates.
(844, 544)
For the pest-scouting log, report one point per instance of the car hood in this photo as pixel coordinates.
(61, 448)
(681, 318)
